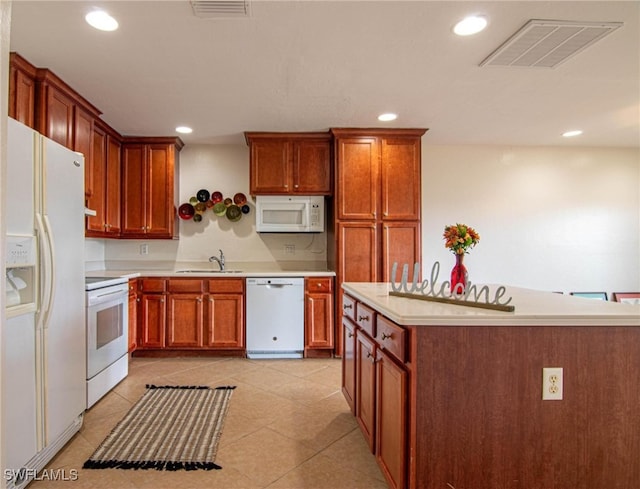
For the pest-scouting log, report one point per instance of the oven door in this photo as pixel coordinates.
(107, 327)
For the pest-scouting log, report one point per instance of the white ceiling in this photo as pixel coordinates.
(311, 65)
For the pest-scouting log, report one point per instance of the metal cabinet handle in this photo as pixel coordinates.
(350, 334)
(363, 318)
(347, 306)
(385, 336)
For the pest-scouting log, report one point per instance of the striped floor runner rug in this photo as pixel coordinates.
(169, 428)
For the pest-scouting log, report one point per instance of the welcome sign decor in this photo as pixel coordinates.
(428, 290)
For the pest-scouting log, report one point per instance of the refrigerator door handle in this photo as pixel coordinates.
(51, 271)
(46, 277)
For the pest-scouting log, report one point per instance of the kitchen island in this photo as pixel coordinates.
(450, 396)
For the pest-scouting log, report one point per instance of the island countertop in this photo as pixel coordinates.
(532, 308)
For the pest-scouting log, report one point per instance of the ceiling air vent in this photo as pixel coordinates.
(221, 8)
(547, 43)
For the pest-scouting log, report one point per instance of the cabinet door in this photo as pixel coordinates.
(225, 321)
(159, 196)
(185, 321)
(58, 123)
(22, 89)
(83, 143)
(96, 183)
(270, 166)
(357, 245)
(152, 321)
(401, 244)
(133, 315)
(365, 395)
(349, 362)
(357, 178)
(391, 425)
(311, 167)
(400, 178)
(133, 189)
(318, 320)
(112, 199)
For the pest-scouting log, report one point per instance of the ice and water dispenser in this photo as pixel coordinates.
(20, 274)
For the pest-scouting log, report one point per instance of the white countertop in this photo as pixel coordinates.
(532, 308)
(210, 270)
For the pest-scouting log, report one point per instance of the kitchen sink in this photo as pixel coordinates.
(202, 270)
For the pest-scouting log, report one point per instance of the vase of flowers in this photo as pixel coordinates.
(460, 238)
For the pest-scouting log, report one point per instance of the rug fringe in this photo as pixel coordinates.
(153, 386)
(146, 465)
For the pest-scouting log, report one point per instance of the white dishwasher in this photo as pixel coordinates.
(275, 317)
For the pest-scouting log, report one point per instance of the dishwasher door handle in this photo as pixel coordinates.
(277, 286)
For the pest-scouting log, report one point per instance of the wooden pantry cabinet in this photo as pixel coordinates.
(376, 211)
(149, 187)
(289, 163)
(375, 382)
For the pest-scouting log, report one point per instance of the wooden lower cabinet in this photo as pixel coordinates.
(366, 387)
(318, 320)
(391, 419)
(191, 314)
(225, 314)
(375, 381)
(133, 314)
(152, 318)
(349, 362)
(185, 320)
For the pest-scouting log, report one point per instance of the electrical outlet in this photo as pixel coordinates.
(290, 249)
(144, 249)
(552, 384)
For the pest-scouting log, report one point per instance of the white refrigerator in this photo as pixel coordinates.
(44, 350)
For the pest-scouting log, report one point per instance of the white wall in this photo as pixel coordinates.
(549, 218)
(223, 168)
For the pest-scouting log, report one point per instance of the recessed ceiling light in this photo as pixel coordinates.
(570, 134)
(101, 20)
(470, 25)
(184, 130)
(387, 117)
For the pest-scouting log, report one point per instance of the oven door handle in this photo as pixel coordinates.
(95, 299)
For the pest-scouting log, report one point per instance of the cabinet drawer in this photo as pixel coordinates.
(349, 307)
(391, 338)
(319, 284)
(365, 318)
(185, 285)
(226, 285)
(153, 285)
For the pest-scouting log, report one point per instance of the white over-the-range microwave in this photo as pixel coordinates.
(290, 214)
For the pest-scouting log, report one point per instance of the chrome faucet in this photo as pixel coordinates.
(219, 260)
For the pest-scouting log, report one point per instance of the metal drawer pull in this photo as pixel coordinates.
(363, 318)
(347, 306)
(350, 334)
(385, 336)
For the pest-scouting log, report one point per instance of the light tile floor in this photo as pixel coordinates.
(288, 427)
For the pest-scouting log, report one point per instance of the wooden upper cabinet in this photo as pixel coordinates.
(62, 114)
(22, 90)
(357, 178)
(83, 143)
(378, 173)
(289, 163)
(400, 172)
(103, 180)
(149, 167)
